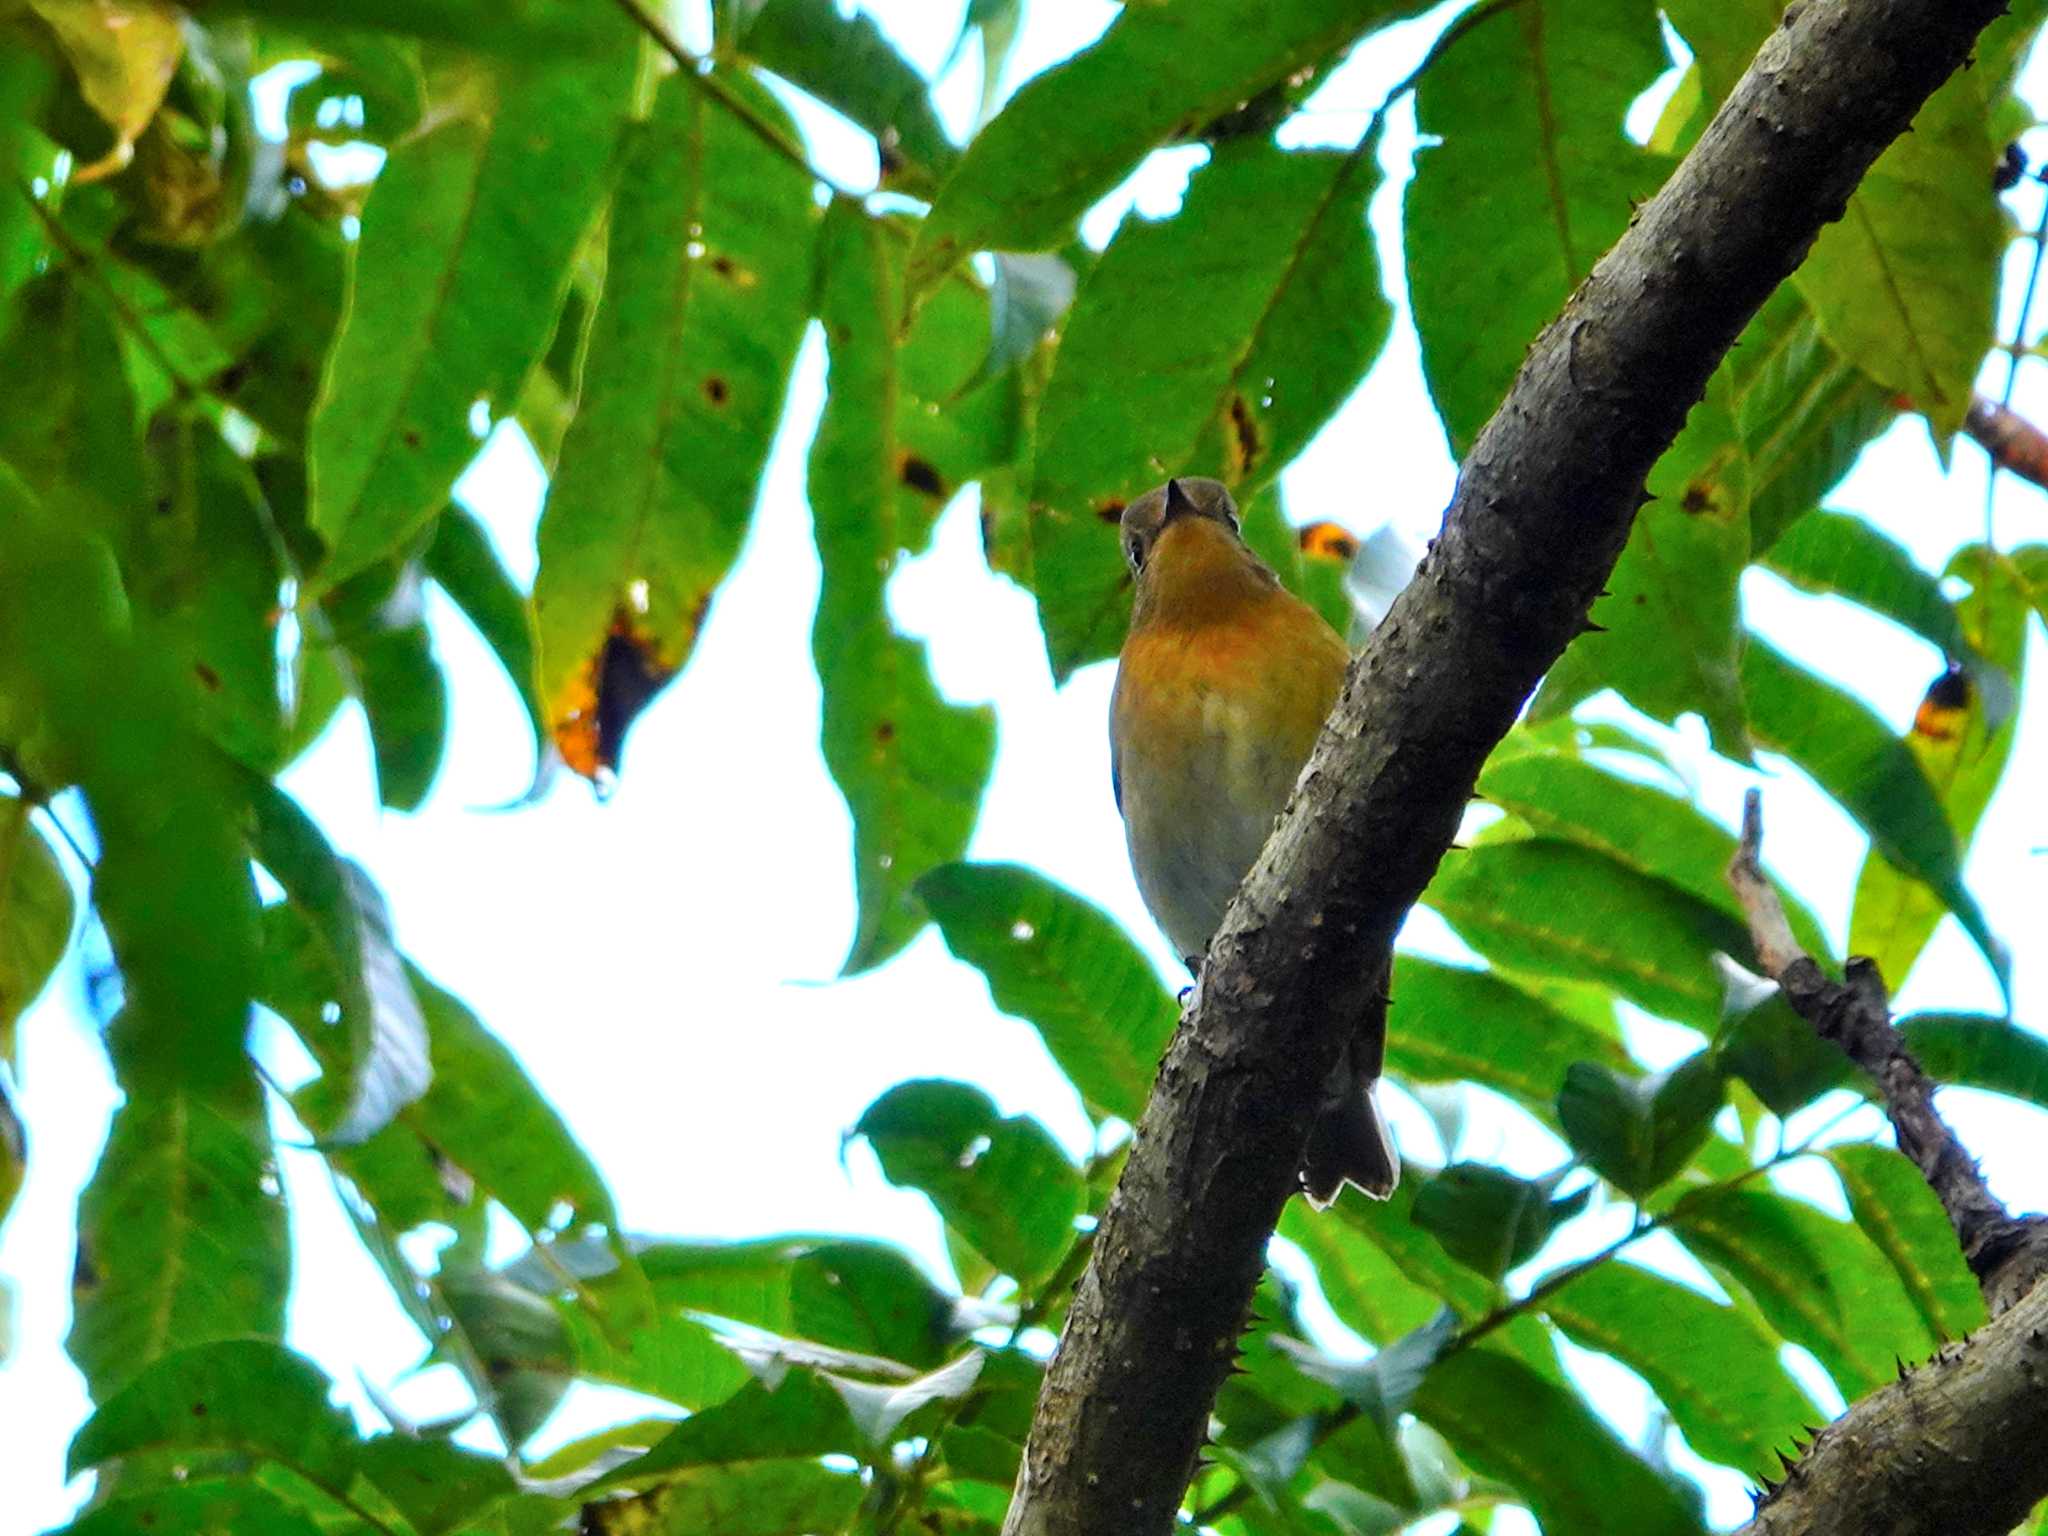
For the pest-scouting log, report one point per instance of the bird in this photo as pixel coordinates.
(1223, 683)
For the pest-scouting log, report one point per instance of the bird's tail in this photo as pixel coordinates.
(1350, 1145)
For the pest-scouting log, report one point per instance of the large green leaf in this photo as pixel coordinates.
(847, 63)
(1713, 1366)
(1905, 282)
(1001, 1182)
(1902, 1217)
(1561, 909)
(1214, 342)
(911, 765)
(1962, 738)
(1817, 1280)
(542, 29)
(1666, 633)
(181, 1234)
(1869, 772)
(205, 1507)
(707, 280)
(1638, 826)
(1365, 1286)
(1070, 135)
(1490, 1220)
(1054, 960)
(766, 1498)
(1637, 1132)
(373, 627)
(453, 289)
(800, 1416)
(36, 913)
(1973, 1051)
(464, 563)
(1540, 1439)
(1450, 1024)
(1529, 106)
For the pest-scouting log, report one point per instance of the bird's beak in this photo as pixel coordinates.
(1178, 503)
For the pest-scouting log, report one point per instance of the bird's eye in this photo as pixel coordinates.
(1135, 548)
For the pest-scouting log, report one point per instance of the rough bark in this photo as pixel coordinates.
(1542, 509)
(1953, 1449)
(2007, 1254)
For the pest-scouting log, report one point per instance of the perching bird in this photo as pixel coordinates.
(1224, 682)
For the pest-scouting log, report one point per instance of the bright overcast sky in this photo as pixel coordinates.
(661, 961)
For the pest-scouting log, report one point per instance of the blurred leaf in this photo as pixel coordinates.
(1817, 1280)
(351, 1002)
(464, 255)
(1488, 1219)
(1715, 1368)
(181, 1233)
(1637, 1132)
(1902, 1217)
(538, 29)
(879, 1411)
(1974, 1051)
(1869, 772)
(1904, 283)
(911, 765)
(1540, 1439)
(996, 21)
(27, 81)
(1385, 1385)
(206, 1507)
(676, 1359)
(511, 1338)
(1368, 1288)
(708, 274)
(1214, 342)
(1805, 414)
(124, 52)
(1029, 296)
(464, 563)
(1071, 134)
(377, 623)
(1962, 737)
(36, 914)
(1002, 1182)
(1775, 1051)
(1449, 1024)
(847, 63)
(1065, 967)
(1559, 909)
(871, 1298)
(1667, 632)
(800, 1417)
(13, 1169)
(1636, 825)
(1529, 107)
(768, 1498)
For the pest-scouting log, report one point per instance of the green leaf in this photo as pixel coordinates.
(1774, 1050)
(1558, 909)
(870, 1298)
(847, 63)
(1962, 738)
(1386, 1384)
(1065, 967)
(464, 563)
(1869, 772)
(1904, 1220)
(676, 1359)
(707, 281)
(1371, 1291)
(1668, 631)
(36, 913)
(1805, 413)
(1029, 295)
(1714, 1367)
(1002, 1183)
(181, 1234)
(1214, 342)
(1488, 1219)
(1540, 1439)
(911, 765)
(879, 1411)
(1973, 1051)
(207, 1507)
(1529, 105)
(453, 290)
(1638, 826)
(514, 1349)
(538, 29)
(1637, 1132)
(375, 628)
(1905, 282)
(1449, 1024)
(1070, 135)
(1817, 1280)
(789, 1498)
(799, 1417)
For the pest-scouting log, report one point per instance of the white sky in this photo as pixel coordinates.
(660, 961)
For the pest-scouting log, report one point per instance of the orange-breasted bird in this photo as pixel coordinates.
(1224, 682)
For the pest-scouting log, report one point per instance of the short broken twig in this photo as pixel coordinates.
(2006, 1254)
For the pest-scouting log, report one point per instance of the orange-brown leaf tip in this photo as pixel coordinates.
(593, 714)
(1944, 707)
(1328, 541)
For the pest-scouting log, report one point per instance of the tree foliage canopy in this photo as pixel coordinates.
(241, 385)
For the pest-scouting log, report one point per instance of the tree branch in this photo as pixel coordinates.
(2005, 1254)
(1953, 1449)
(1542, 509)
(2011, 441)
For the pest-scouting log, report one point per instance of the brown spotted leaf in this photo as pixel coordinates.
(704, 302)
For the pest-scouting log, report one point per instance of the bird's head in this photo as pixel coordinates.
(1182, 543)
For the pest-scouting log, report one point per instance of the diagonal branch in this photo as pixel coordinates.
(2006, 1255)
(2011, 441)
(1543, 508)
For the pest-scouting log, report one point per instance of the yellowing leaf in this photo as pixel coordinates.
(125, 53)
